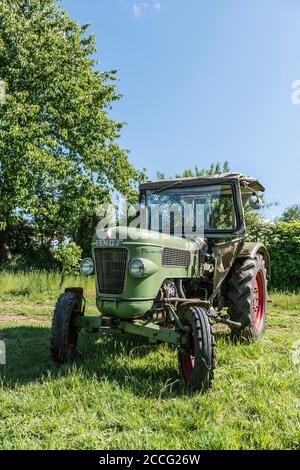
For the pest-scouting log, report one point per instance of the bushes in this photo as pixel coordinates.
(283, 242)
(284, 246)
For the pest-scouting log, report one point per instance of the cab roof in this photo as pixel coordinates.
(247, 183)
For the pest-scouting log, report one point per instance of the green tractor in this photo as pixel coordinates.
(171, 287)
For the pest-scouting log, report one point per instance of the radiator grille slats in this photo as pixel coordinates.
(176, 258)
(111, 269)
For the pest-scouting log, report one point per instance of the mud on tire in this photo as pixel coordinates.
(247, 296)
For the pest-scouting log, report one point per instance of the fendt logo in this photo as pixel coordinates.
(109, 243)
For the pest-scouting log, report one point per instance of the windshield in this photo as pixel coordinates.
(191, 211)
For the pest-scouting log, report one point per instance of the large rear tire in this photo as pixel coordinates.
(197, 357)
(247, 297)
(63, 341)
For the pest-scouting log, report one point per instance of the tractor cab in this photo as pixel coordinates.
(200, 206)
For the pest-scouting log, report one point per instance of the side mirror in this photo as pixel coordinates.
(255, 202)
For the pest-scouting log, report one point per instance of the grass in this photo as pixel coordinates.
(125, 394)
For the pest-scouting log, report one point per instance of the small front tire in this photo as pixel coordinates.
(64, 335)
(197, 356)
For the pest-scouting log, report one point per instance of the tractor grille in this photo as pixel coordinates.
(176, 258)
(111, 269)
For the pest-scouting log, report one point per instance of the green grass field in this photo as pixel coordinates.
(125, 394)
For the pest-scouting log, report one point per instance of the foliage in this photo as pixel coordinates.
(291, 214)
(68, 255)
(215, 169)
(59, 156)
(283, 242)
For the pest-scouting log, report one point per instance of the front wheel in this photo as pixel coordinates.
(197, 356)
(64, 335)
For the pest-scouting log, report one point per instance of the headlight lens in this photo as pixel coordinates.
(136, 268)
(87, 266)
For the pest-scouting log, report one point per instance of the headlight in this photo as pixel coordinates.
(87, 266)
(136, 268)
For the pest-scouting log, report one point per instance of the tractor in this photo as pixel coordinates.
(172, 277)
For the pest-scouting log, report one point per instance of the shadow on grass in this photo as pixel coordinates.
(122, 360)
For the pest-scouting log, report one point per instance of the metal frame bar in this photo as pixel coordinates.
(152, 331)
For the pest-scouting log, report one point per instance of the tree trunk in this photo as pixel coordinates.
(62, 280)
(4, 245)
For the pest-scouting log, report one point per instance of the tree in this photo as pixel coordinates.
(291, 214)
(215, 168)
(59, 155)
(67, 254)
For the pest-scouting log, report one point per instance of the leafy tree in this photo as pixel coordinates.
(67, 254)
(59, 156)
(282, 239)
(160, 175)
(28, 247)
(215, 168)
(291, 214)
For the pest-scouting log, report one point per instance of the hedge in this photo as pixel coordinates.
(283, 242)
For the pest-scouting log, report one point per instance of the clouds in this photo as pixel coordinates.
(139, 8)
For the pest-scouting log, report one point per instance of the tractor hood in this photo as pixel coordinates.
(116, 236)
(164, 257)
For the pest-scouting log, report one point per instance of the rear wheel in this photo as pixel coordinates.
(197, 356)
(248, 297)
(64, 335)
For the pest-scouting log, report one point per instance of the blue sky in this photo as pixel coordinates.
(205, 81)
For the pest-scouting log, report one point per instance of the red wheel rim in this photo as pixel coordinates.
(259, 301)
(188, 364)
(188, 360)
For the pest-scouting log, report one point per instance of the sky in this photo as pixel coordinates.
(205, 81)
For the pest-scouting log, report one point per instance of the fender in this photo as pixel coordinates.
(251, 249)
